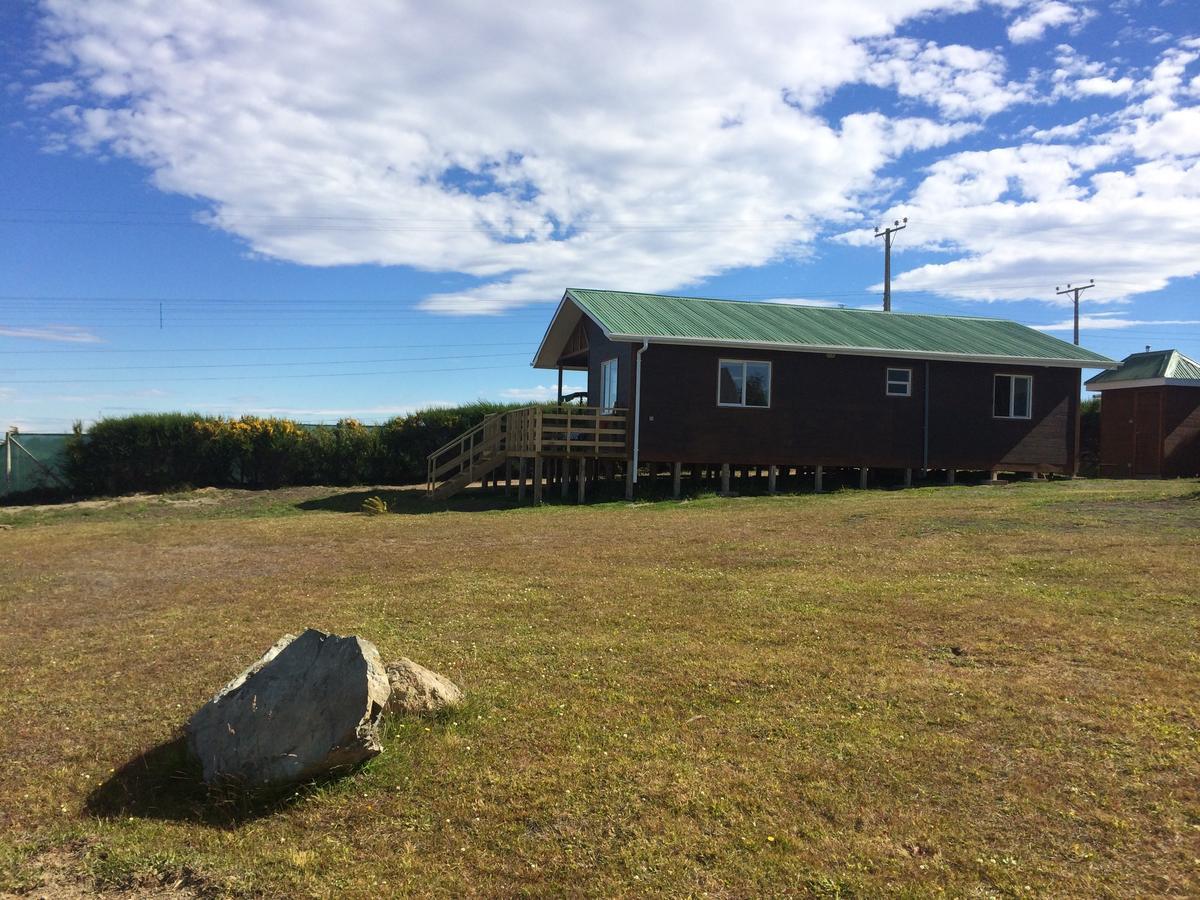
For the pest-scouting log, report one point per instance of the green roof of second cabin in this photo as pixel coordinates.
(662, 318)
(1149, 368)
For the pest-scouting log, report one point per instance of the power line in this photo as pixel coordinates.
(260, 377)
(256, 365)
(272, 349)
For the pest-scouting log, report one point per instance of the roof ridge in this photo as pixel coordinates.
(838, 308)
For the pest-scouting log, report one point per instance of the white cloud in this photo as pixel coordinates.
(1077, 76)
(49, 91)
(960, 81)
(1107, 323)
(539, 145)
(1104, 87)
(1044, 15)
(541, 393)
(1118, 204)
(70, 334)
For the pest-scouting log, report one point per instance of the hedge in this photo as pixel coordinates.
(167, 451)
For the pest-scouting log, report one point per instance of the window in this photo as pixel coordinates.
(608, 386)
(741, 383)
(1012, 397)
(899, 382)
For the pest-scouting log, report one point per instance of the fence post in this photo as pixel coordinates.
(8, 461)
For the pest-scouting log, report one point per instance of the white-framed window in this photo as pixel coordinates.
(743, 382)
(608, 386)
(899, 383)
(1012, 397)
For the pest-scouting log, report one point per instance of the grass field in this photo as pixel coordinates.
(970, 691)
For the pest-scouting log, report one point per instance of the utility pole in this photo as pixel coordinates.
(1076, 291)
(886, 234)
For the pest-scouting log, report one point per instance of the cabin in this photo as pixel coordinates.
(710, 386)
(1150, 416)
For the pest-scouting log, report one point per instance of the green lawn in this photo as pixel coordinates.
(975, 691)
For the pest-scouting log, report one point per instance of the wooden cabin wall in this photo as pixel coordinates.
(834, 411)
(601, 348)
(1118, 414)
(1181, 430)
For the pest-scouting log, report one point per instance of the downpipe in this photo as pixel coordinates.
(637, 408)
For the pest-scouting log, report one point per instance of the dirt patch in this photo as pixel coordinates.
(60, 873)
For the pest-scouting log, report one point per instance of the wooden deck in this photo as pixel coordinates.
(532, 432)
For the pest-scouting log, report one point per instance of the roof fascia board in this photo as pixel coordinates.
(873, 351)
(1144, 382)
(549, 326)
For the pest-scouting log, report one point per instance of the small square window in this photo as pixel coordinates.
(1012, 396)
(899, 382)
(741, 383)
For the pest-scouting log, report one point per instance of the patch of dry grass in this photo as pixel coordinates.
(976, 691)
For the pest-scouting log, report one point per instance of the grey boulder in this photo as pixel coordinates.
(310, 706)
(418, 691)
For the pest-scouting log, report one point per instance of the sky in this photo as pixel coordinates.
(320, 210)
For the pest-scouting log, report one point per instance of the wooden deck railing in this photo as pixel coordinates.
(566, 431)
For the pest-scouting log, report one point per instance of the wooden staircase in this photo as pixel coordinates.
(531, 432)
(467, 458)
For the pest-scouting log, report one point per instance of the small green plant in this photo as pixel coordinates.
(374, 506)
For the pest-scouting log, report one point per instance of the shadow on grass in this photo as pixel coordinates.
(414, 502)
(165, 783)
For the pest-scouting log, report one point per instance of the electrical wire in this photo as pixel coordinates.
(259, 377)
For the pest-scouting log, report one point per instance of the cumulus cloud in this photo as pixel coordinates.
(1118, 204)
(529, 147)
(70, 334)
(1039, 17)
(654, 147)
(959, 81)
(49, 91)
(1075, 75)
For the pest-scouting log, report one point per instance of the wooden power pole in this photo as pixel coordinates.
(886, 234)
(1076, 290)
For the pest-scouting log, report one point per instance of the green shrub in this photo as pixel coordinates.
(1089, 437)
(164, 451)
(406, 441)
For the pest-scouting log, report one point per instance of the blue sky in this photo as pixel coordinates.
(287, 208)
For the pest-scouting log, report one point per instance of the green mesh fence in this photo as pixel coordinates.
(33, 462)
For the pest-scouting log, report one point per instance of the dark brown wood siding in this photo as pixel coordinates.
(834, 411)
(600, 349)
(1150, 431)
(1181, 431)
(1117, 415)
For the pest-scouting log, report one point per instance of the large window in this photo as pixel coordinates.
(608, 386)
(899, 382)
(743, 383)
(1012, 397)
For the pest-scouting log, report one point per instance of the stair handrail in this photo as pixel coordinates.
(462, 437)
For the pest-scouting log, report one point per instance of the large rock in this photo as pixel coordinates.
(310, 706)
(417, 691)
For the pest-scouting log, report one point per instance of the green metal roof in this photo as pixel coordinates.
(1155, 364)
(630, 316)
